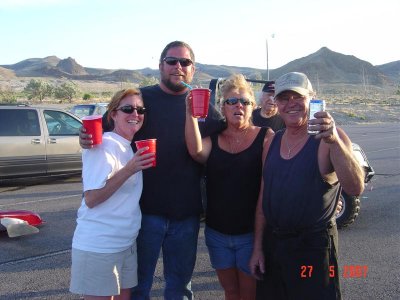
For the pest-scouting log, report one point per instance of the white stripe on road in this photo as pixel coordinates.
(14, 262)
(43, 200)
(380, 150)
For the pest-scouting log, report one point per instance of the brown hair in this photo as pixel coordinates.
(176, 44)
(117, 98)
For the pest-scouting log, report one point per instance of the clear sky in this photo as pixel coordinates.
(130, 34)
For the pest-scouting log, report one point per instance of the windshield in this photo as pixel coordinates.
(83, 110)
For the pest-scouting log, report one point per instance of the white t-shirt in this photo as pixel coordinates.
(113, 225)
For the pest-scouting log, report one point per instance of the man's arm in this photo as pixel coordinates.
(335, 157)
(347, 168)
(257, 261)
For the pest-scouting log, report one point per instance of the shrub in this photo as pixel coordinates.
(87, 96)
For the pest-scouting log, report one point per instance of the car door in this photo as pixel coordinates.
(64, 153)
(22, 145)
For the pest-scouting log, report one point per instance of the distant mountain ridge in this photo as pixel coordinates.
(323, 66)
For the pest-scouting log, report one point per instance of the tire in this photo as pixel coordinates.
(349, 211)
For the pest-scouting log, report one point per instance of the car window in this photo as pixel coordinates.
(60, 123)
(19, 122)
(101, 110)
(83, 110)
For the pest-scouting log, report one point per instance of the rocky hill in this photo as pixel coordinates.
(324, 67)
(71, 67)
(327, 66)
(7, 73)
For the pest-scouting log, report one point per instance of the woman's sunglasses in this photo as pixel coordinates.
(234, 101)
(172, 61)
(128, 109)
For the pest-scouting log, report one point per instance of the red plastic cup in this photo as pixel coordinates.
(151, 143)
(93, 126)
(200, 101)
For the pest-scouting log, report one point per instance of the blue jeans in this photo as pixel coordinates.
(178, 241)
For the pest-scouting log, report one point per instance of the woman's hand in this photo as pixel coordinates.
(140, 161)
(85, 140)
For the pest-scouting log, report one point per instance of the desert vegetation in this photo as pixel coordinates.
(348, 103)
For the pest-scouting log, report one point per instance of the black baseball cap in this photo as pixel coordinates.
(269, 87)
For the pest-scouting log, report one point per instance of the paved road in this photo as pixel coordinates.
(37, 266)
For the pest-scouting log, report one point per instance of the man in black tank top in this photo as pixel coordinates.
(295, 248)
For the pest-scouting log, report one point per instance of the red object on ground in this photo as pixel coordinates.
(32, 218)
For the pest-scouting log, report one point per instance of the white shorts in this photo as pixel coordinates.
(103, 274)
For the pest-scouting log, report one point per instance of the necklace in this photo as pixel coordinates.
(236, 142)
(289, 149)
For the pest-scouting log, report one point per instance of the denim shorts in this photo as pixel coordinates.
(229, 251)
(103, 274)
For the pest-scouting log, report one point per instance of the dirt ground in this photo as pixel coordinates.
(347, 114)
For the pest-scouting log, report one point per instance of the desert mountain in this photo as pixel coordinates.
(324, 66)
(6, 73)
(391, 69)
(70, 66)
(331, 67)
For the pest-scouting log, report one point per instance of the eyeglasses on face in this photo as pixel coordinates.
(234, 101)
(172, 61)
(128, 109)
(285, 98)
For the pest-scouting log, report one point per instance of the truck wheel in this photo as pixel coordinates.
(349, 211)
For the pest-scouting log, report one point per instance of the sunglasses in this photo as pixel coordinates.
(284, 99)
(234, 101)
(128, 109)
(172, 61)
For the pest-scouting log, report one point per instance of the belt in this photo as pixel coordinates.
(289, 233)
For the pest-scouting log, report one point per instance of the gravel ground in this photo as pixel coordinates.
(347, 114)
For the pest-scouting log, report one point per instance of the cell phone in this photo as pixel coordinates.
(315, 106)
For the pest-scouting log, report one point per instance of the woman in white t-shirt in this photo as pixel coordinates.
(104, 258)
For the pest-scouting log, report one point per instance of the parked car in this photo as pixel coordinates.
(37, 141)
(83, 110)
(350, 204)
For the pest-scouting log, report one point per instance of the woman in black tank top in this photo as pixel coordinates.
(234, 164)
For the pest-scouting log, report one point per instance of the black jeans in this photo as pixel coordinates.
(300, 265)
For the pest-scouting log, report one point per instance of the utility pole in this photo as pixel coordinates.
(266, 44)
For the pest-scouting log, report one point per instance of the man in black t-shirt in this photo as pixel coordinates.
(171, 199)
(267, 115)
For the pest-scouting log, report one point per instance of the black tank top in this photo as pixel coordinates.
(295, 194)
(233, 184)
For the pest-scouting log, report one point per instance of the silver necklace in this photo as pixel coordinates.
(236, 142)
(289, 149)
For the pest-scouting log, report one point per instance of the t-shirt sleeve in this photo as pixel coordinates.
(98, 167)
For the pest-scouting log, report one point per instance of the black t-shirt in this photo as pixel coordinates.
(172, 188)
(275, 122)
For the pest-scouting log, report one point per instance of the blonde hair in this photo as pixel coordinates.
(236, 82)
(117, 98)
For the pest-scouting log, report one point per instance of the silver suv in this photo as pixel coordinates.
(37, 141)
